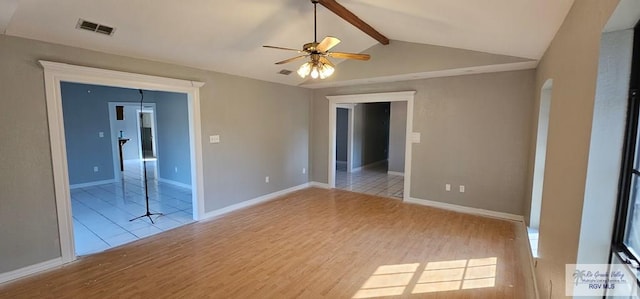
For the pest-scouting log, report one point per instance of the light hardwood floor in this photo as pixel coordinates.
(313, 243)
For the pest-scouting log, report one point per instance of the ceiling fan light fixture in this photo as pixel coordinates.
(314, 72)
(305, 69)
(315, 69)
(326, 71)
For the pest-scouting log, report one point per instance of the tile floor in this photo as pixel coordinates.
(101, 213)
(371, 180)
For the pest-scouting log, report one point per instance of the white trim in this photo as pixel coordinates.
(341, 163)
(395, 173)
(350, 116)
(26, 271)
(407, 96)
(531, 260)
(319, 185)
(177, 184)
(252, 202)
(54, 73)
(91, 184)
(466, 210)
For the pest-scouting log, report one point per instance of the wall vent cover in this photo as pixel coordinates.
(285, 72)
(95, 27)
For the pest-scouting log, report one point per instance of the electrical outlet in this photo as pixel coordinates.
(101, 134)
(95, 168)
(266, 179)
(447, 187)
(304, 170)
(175, 169)
(461, 188)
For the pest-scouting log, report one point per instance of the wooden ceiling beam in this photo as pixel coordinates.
(348, 16)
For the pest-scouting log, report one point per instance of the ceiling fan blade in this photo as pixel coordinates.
(291, 59)
(326, 61)
(327, 43)
(281, 48)
(349, 55)
(348, 16)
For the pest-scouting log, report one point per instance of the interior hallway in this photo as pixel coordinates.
(373, 180)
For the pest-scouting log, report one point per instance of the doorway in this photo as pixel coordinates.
(138, 137)
(360, 100)
(147, 134)
(364, 137)
(103, 212)
(56, 73)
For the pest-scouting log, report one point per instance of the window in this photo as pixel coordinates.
(627, 229)
(631, 179)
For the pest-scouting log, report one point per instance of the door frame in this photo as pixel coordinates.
(147, 107)
(150, 110)
(407, 96)
(350, 115)
(54, 74)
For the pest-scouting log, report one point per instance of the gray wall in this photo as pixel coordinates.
(342, 134)
(86, 112)
(358, 136)
(397, 136)
(476, 131)
(375, 139)
(572, 62)
(264, 129)
(370, 133)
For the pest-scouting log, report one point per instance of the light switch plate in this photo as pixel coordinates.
(101, 134)
(214, 139)
(415, 137)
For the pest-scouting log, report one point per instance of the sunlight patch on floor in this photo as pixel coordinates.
(441, 276)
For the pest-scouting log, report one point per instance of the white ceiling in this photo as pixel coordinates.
(226, 36)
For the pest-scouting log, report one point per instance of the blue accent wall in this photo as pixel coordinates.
(83, 120)
(172, 117)
(86, 113)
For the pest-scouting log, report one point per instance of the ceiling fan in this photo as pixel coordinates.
(319, 65)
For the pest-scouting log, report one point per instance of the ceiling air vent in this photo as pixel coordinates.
(95, 27)
(285, 72)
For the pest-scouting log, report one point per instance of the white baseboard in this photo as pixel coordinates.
(466, 210)
(319, 185)
(91, 184)
(251, 202)
(26, 271)
(395, 173)
(177, 184)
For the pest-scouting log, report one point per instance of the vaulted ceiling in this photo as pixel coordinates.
(428, 37)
